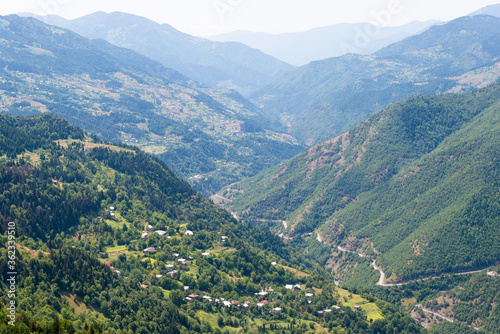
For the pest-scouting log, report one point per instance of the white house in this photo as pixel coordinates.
(188, 232)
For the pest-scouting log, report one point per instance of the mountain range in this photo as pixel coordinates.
(226, 65)
(316, 44)
(364, 38)
(325, 98)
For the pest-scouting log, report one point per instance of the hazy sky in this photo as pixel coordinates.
(208, 17)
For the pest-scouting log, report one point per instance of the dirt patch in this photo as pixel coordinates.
(87, 146)
(33, 252)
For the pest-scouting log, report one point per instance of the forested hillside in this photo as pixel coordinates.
(414, 186)
(109, 240)
(209, 136)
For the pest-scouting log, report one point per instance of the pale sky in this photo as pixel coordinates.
(209, 17)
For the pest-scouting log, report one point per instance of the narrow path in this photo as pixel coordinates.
(219, 196)
(442, 316)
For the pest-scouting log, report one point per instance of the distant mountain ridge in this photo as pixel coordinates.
(320, 43)
(326, 98)
(225, 65)
(493, 10)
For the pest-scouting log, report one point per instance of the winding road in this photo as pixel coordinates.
(382, 282)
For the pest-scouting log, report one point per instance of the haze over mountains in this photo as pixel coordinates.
(326, 98)
(320, 43)
(225, 65)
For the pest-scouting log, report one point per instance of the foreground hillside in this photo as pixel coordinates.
(415, 186)
(326, 98)
(210, 136)
(109, 240)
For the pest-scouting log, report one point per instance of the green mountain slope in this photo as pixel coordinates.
(210, 136)
(415, 186)
(326, 98)
(225, 65)
(109, 240)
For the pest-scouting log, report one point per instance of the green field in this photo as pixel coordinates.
(372, 310)
(115, 249)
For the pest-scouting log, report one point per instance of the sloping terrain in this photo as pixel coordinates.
(415, 185)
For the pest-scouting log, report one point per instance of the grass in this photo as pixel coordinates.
(257, 322)
(76, 303)
(66, 142)
(217, 250)
(409, 301)
(116, 249)
(296, 272)
(371, 309)
(79, 306)
(118, 222)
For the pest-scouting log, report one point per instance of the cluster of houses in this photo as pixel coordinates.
(227, 303)
(246, 305)
(334, 307)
